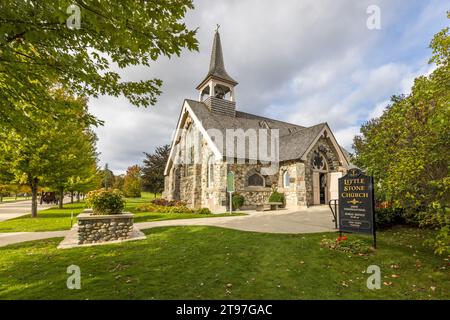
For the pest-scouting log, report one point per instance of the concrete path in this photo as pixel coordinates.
(11, 210)
(311, 220)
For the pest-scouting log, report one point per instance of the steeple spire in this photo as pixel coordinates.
(216, 65)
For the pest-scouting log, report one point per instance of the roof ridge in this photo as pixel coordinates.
(271, 119)
(303, 129)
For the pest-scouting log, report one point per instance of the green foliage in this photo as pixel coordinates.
(58, 151)
(104, 201)
(132, 182)
(179, 209)
(39, 50)
(237, 201)
(407, 149)
(151, 207)
(153, 169)
(344, 244)
(277, 197)
(388, 217)
(203, 211)
(164, 206)
(168, 203)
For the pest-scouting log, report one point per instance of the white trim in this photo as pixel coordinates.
(327, 129)
(198, 123)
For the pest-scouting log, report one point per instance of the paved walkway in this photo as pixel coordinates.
(311, 220)
(11, 210)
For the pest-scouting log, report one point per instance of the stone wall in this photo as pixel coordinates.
(295, 193)
(253, 195)
(102, 228)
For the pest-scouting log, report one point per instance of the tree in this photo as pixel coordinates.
(118, 182)
(132, 182)
(75, 162)
(39, 47)
(48, 152)
(153, 169)
(407, 149)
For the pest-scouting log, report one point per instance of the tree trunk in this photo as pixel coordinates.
(71, 196)
(78, 196)
(61, 197)
(42, 197)
(34, 187)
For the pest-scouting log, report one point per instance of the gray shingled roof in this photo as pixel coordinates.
(216, 65)
(294, 139)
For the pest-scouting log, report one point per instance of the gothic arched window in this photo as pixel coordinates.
(286, 179)
(210, 171)
(255, 180)
(318, 161)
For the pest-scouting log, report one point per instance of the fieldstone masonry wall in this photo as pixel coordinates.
(102, 228)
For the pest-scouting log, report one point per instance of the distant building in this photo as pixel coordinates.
(307, 160)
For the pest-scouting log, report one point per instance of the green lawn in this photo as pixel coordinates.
(215, 263)
(59, 219)
(14, 199)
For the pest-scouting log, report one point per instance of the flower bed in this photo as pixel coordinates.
(165, 206)
(344, 244)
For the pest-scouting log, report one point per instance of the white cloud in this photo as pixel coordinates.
(304, 61)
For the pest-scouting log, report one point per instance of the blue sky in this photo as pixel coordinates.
(302, 61)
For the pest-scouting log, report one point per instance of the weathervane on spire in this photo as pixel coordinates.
(217, 27)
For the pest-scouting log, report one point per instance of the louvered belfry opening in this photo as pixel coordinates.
(217, 88)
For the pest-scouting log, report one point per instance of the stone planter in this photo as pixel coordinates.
(102, 228)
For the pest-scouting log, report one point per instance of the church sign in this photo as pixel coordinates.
(356, 203)
(230, 188)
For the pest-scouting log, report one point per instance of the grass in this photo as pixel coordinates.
(215, 263)
(14, 199)
(59, 219)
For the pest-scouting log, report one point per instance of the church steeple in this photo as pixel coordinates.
(217, 83)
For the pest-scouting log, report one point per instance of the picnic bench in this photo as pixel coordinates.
(272, 205)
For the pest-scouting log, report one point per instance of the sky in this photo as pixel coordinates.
(300, 61)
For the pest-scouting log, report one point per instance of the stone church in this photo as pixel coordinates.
(305, 162)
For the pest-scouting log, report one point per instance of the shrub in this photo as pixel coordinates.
(388, 217)
(150, 207)
(160, 201)
(276, 197)
(105, 201)
(167, 203)
(203, 211)
(237, 201)
(180, 209)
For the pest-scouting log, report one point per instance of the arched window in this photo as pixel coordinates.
(255, 180)
(210, 171)
(318, 161)
(286, 179)
(189, 145)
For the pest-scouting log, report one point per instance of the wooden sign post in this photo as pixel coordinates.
(356, 204)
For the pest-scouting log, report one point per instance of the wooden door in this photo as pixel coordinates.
(334, 192)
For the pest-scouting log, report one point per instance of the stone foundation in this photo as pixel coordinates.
(102, 228)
